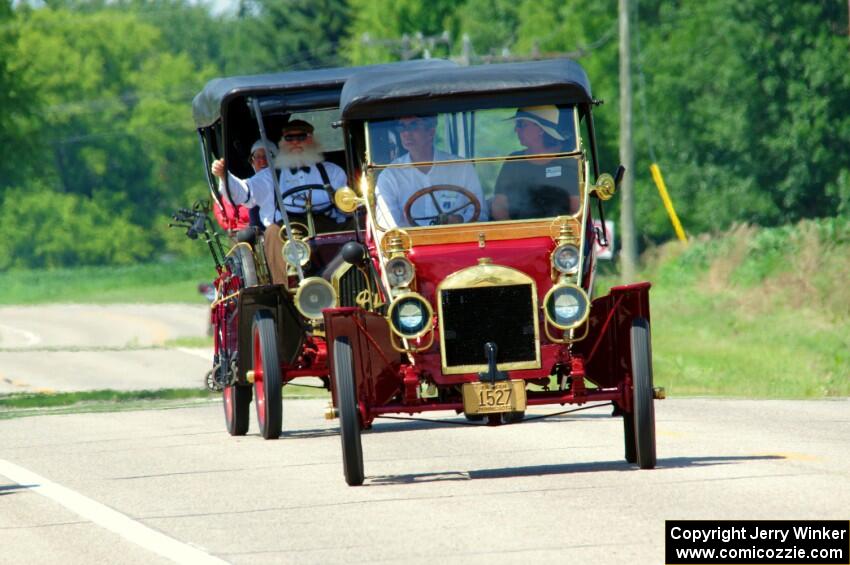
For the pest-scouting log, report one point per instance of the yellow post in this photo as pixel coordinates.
(668, 204)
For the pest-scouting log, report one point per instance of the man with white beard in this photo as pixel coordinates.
(302, 163)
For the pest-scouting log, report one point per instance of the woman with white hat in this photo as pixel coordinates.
(542, 187)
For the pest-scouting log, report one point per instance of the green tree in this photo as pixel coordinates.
(377, 27)
(497, 32)
(273, 36)
(80, 231)
(17, 102)
(115, 124)
(748, 105)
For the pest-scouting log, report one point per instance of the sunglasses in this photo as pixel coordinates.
(296, 136)
(259, 157)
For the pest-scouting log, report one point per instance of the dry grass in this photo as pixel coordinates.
(735, 247)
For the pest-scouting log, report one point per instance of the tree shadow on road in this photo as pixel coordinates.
(308, 433)
(563, 469)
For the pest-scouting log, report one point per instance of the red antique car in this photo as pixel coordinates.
(478, 186)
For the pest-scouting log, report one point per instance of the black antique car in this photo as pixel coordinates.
(266, 335)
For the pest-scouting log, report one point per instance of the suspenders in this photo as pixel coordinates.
(325, 179)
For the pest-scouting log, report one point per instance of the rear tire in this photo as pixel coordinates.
(644, 411)
(247, 268)
(349, 414)
(267, 381)
(237, 404)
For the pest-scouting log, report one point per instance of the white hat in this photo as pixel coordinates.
(549, 118)
(271, 150)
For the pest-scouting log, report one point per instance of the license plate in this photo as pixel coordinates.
(486, 398)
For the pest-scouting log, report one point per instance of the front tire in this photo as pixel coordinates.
(644, 411)
(267, 380)
(349, 414)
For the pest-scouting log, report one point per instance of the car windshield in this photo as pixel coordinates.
(475, 166)
(322, 121)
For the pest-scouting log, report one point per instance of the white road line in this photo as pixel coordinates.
(30, 338)
(202, 353)
(108, 518)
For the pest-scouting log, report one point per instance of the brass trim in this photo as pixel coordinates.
(369, 180)
(555, 268)
(394, 242)
(405, 346)
(487, 275)
(299, 231)
(493, 231)
(604, 187)
(240, 244)
(427, 328)
(407, 286)
(368, 302)
(473, 160)
(346, 200)
(564, 340)
(224, 299)
(546, 310)
(310, 281)
(296, 243)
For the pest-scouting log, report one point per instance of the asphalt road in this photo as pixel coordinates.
(159, 485)
(170, 485)
(75, 347)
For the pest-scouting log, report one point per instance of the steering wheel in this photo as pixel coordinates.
(306, 198)
(443, 216)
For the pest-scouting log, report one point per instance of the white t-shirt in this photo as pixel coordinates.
(259, 191)
(396, 186)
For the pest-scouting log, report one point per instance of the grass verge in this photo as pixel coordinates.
(756, 313)
(18, 405)
(175, 281)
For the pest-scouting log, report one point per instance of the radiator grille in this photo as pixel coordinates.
(502, 314)
(351, 283)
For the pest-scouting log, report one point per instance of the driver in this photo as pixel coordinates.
(395, 186)
(302, 163)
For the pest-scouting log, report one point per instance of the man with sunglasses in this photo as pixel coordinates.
(301, 163)
(396, 185)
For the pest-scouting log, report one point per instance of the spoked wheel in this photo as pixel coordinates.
(237, 401)
(644, 411)
(267, 381)
(349, 417)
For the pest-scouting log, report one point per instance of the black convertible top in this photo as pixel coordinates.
(392, 92)
(207, 104)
